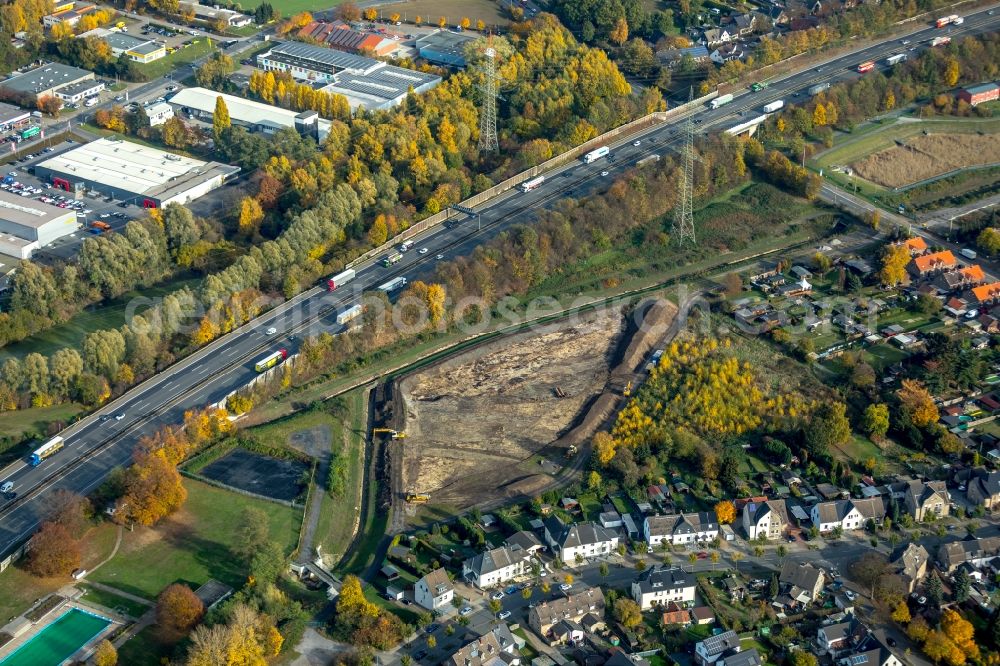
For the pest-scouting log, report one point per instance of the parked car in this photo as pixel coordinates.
(466, 610)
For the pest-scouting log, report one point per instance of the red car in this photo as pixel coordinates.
(702, 555)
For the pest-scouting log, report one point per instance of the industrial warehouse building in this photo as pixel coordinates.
(984, 92)
(254, 116)
(48, 80)
(444, 47)
(342, 37)
(68, 12)
(215, 13)
(138, 49)
(12, 117)
(366, 83)
(26, 224)
(133, 173)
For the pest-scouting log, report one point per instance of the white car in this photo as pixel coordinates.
(496, 596)
(604, 173)
(12, 174)
(422, 250)
(503, 615)
(636, 142)
(170, 88)
(465, 611)
(272, 330)
(119, 417)
(565, 586)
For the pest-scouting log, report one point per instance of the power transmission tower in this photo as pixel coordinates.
(682, 228)
(488, 115)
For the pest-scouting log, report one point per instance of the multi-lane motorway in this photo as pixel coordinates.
(101, 442)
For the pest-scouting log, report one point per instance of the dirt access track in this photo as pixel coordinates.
(497, 421)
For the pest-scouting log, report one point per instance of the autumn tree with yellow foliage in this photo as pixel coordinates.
(917, 403)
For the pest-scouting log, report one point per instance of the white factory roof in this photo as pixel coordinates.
(122, 164)
(241, 109)
(28, 212)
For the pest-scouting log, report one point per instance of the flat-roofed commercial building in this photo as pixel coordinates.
(367, 83)
(138, 49)
(134, 173)
(254, 116)
(45, 80)
(159, 113)
(444, 47)
(80, 90)
(213, 14)
(69, 12)
(13, 116)
(27, 224)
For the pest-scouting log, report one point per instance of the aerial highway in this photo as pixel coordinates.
(105, 440)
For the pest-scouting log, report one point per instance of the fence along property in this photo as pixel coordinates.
(636, 125)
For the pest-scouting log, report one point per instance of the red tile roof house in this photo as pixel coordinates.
(935, 262)
(674, 614)
(915, 245)
(987, 293)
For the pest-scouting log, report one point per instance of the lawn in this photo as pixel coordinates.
(19, 422)
(164, 66)
(338, 516)
(144, 648)
(19, 589)
(192, 546)
(113, 601)
(105, 316)
(292, 7)
(453, 10)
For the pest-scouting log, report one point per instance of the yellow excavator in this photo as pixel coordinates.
(417, 498)
(394, 434)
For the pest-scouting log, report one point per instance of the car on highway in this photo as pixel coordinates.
(497, 596)
(119, 417)
(604, 173)
(6, 487)
(422, 250)
(637, 142)
(503, 615)
(466, 610)
(905, 42)
(271, 331)
(439, 257)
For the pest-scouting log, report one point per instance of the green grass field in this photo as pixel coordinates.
(292, 7)
(192, 546)
(164, 66)
(71, 334)
(17, 423)
(113, 601)
(19, 589)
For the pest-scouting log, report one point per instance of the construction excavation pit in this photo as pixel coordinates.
(504, 419)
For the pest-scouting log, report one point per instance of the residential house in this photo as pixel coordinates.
(972, 551)
(585, 540)
(910, 563)
(871, 651)
(984, 489)
(702, 615)
(610, 520)
(566, 632)
(916, 245)
(767, 519)
(727, 53)
(972, 275)
(716, 36)
(924, 499)
(743, 25)
(574, 606)
(850, 514)
(955, 306)
(933, 263)
(526, 541)
(765, 270)
(672, 57)
(496, 566)
(674, 614)
(681, 529)
(714, 648)
(434, 590)
(801, 582)
(741, 658)
(840, 636)
(655, 587)
(498, 647)
(986, 294)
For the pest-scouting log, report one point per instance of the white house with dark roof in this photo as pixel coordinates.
(850, 514)
(714, 648)
(681, 529)
(768, 519)
(585, 540)
(496, 566)
(434, 590)
(657, 587)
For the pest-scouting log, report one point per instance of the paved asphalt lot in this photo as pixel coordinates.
(209, 375)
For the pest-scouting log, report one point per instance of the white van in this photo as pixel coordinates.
(7, 486)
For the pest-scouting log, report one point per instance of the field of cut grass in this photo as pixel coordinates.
(292, 7)
(192, 546)
(17, 423)
(430, 11)
(71, 334)
(163, 66)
